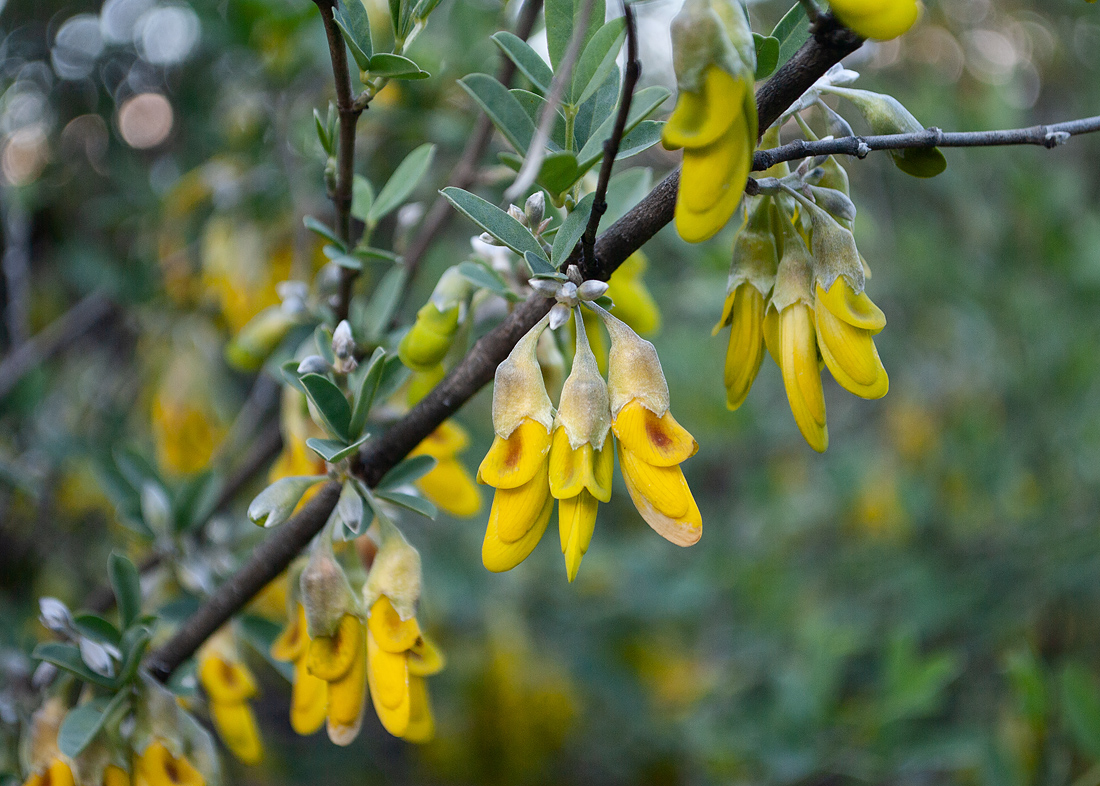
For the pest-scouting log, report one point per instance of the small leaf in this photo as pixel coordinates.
(289, 370)
(134, 643)
(313, 225)
(494, 221)
(355, 15)
(394, 374)
(645, 136)
(401, 182)
(395, 67)
(486, 278)
(362, 197)
(322, 338)
(594, 112)
(333, 450)
(539, 266)
(362, 59)
(97, 628)
(533, 105)
(527, 60)
(562, 16)
(570, 232)
(644, 103)
(330, 403)
(767, 55)
(1081, 707)
(595, 63)
(67, 656)
(792, 32)
(126, 582)
(371, 375)
(502, 108)
(559, 172)
(408, 471)
(370, 252)
(383, 303)
(322, 132)
(80, 726)
(411, 502)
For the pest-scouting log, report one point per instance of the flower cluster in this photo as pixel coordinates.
(796, 287)
(539, 455)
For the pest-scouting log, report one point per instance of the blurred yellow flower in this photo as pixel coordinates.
(448, 484)
(341, 661)
(308, 694)
(229, 685)
(56, 773)
(156, 766)
(877, 19)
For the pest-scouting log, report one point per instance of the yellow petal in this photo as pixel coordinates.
(699, 119)
(604, 461)
(771, 334)
(157, 767)
(115, 776)
(56, 774)
(236, 726)
(727, 314)
(576, 522)
(705, 176)
(450, 487)
(308, 700)
(499, 555)
(425, 658)
(224, 681)
(746, 347)
(721, 178)
(514, 461)
(347, 696)
(877, 19)
(569, 470)
(516, 511)
(857, 310)
(664, 487)
(684, 530)
(660, 441)
(850, 355)
(390, 632)
(421, 727)
(446, 441)
(801, 376)
(293, 642)
(330, 657)
(389, 687)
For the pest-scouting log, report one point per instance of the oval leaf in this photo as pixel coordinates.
(494, 221)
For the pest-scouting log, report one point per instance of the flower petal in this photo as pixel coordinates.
(446, 441)
(720, 177)
(850, 355)
(421, 726)
(576, 522)
(425, 658)
(664, 487)
(514, 461)
(699, 119)
(683, 530)
(604, 468)
(657, 440)
(225, 681)
(330, 657)
(390, 632)
(237, 728)
(308, 700)
(746, 347)
(451, 488)
(801, 376)
(389, 687)
(347, 697)
(845, 304)
(569, 470)
(500, 555)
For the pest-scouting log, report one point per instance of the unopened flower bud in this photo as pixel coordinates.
(559, 315)
(55, 615)
(592, 290)
(517, 214)
(547, 287)
(430, 337)
(343, 345)
(277, 502)
(585, 407)
(534, 209)
(326, 594)
(314, 364)
(395, 574)
(96, 657)
(835, 203)
(485, 237)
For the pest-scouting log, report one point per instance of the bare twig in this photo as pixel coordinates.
(611, 145)
(345, 148)
(54, 338)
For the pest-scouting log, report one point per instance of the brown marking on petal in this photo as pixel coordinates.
(229, 675)
(653, 428)
(172, 770)
(515, 450)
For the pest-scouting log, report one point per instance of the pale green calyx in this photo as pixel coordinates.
(326, 593)
(395, 573)
(585, 408)
(755, 256)
(795, 274)
(633, 369)
(518, 389)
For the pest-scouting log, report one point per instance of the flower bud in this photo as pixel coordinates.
(395, 574)
(517, 214)
(55, 615)
(592, 290)
(834, 202)
(343, 345)
(634, 370)
(559, 315)
(314, 364)
(277, 502)
(886, 115)
(585, 408)
(518, 388)
(326, 594)
(258, 338)
(422, 383)
(835, 253)
(429, 340)
(534, 209)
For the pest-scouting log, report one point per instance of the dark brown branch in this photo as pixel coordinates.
(611, 146)
(382, 453)
(345, 148)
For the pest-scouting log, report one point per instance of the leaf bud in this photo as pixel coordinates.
(277, 502)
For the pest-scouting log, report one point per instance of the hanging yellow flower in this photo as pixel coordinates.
(156, 766)
(229, 685)
(877, 19)
(56, 773)
(308, 694)
(340, 660)
(448, 484)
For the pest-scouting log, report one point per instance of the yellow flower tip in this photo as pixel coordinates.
(801, 375)
(570, 470)
(663, 499)
(522, 515)
(347, 698)
(425, 658)
(880, 20)
(727, 314)
(850, 355)
(857, 310)
(390, 632)
(513, 461)
(156, 766)
(653, 439)
(746, 345)
(293, 643)
(576, 523)
(331, 657)
(421, 726)
(449, 485)
(237, 728)
(388, 675)
(449, 439)
(308, 700)
(56, 774)
(115, 776)
(225, 681)
(701, 118)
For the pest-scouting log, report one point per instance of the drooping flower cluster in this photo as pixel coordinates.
(715, 116)
(796, 287)
(540, 455)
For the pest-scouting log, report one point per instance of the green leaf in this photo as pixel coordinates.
(569, 234)
(370, 252)
(597, 109)
(394, 374)
(792, 32)
(540, 266)
(67, 656)
(313, 225)
(371, 376)
(424, 8)
(362, 197)
(502, 108)
(95, 627)
(625, 190)
(395, 67)
(81, 725)
(322, 132)
(597, 60)
(1081, 707)
(126, 582)
(289, 370)
(354, 23)
(644, 103)
(322, 338)
(533, 105)
(408, 471)
(383, 303)
(767, 55)
(645, 136)
(402, 182)
(330, 403)
(561, 17)
(411, 502)
(333, 450)
(527, 60)
(486, 278)
(195, 499)
(494, 221)
(134, 643)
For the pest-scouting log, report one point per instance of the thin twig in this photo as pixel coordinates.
(54, 338)
(382, 453)
(1048, 136)
(612, 144)
(345, 149)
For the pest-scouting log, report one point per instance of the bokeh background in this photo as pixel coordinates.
(920, 605)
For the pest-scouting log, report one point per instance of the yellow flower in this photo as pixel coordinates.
(634, 304)
(341, 661)
(229, 685)
(57, 773)
(115, 776)
(448, 484)
(156, 766)
(430, 337)
(878, 19)
(399, 657)
(651, 444)
(308, 694)
(845, 325)
(186, 434)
